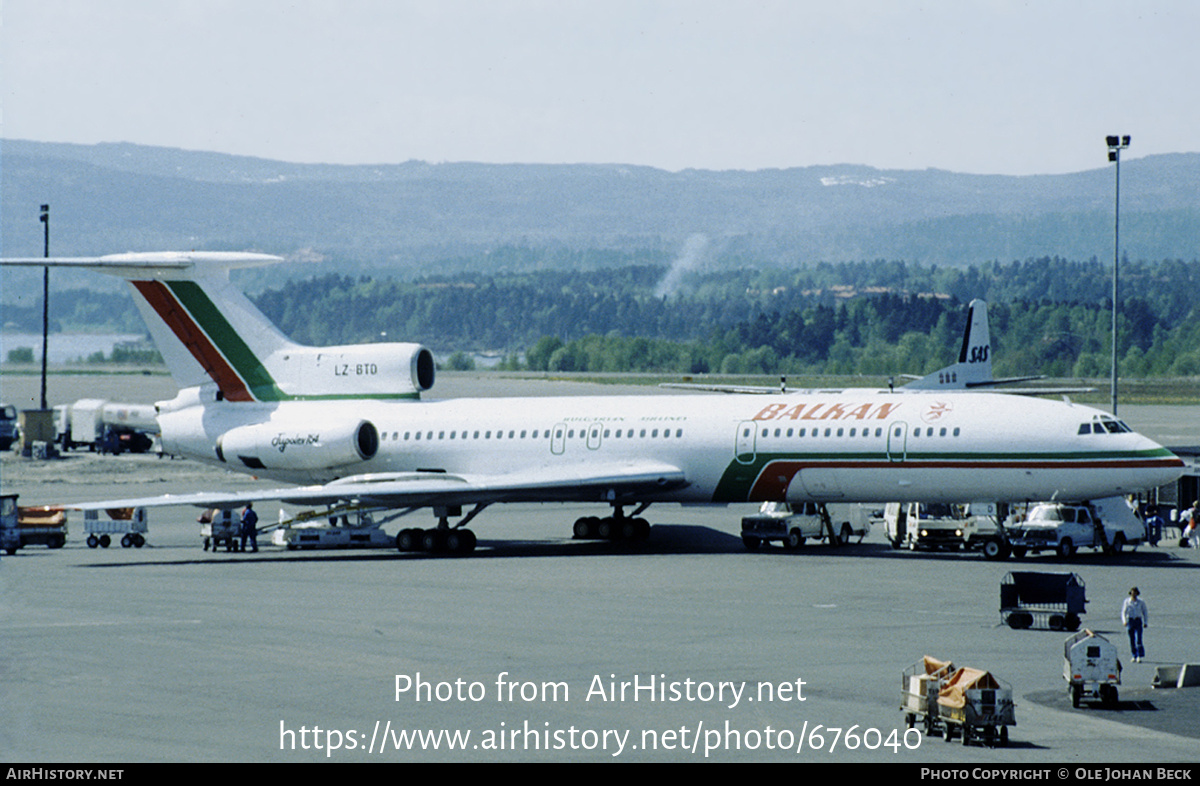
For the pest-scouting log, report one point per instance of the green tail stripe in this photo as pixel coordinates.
(227, 341)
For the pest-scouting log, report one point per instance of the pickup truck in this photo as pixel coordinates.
(1108, 525)
(794, 524)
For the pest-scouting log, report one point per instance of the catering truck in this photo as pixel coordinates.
(1108, 525)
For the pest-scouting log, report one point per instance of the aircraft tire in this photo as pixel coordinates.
(407, 540)
(606, 529)
(585, 528)
(460, 541)
(433, 540)
(641, 529)
(628, 529)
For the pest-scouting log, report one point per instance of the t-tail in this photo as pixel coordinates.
(974, 366)
(209, 333)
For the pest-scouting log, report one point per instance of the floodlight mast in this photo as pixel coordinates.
(45, 219)
(1115, 145)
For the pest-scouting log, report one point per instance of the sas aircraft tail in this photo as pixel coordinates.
(209, 333)
(974, 366)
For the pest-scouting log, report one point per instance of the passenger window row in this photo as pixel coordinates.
(429, 436)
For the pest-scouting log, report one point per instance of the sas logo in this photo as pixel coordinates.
(936, 411)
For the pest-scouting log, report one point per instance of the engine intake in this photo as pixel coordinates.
(273, 446)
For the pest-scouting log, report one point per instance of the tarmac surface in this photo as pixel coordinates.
(537, 647)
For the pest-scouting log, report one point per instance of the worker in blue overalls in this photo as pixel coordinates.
(250, 527)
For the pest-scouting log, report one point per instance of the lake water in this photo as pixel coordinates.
(65, 347)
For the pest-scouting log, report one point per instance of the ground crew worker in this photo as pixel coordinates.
(250, 527)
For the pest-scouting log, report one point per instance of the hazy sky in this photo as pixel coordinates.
(995, 86)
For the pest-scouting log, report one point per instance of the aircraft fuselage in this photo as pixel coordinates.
(858, 445)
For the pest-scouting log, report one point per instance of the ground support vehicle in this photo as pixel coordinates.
(793, 525)
(220, 528)
(105, 426)
(10, 537)
(130, 523)
(8, 426)
(37, 526)
(1051, 600)
(1109, 524)
(920, 684)
(974, 705)
(331, 529)
(1091, 668)
(941, 526)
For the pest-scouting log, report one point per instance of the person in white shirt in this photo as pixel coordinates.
(1135, 617)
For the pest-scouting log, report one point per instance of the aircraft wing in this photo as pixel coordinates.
(721, 388)
(573, 483)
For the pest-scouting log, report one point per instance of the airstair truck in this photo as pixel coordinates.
(1109, 525)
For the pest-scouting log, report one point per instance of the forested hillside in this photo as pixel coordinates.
(1048, 315)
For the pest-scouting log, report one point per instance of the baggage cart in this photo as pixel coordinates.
(920, 684)
(1050, 600)
(220, 528)
(974, 705)
(130, 523)
(1091, 669)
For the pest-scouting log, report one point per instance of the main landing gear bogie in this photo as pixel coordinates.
(611, 528)
(436, 540)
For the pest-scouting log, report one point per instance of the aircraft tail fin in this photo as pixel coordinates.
(974, 366)
(210, 333)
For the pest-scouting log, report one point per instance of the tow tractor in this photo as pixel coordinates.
(37, 526)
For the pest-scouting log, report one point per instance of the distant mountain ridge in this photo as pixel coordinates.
(116, 197)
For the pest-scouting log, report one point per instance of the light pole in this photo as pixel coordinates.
(1115, 145)
(45, 219)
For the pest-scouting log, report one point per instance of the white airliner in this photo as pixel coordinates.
(348, 423)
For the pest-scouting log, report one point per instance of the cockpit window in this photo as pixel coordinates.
(1103, 425)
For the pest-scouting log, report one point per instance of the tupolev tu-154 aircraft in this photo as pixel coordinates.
(347, 423)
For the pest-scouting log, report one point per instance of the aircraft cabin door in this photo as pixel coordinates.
(595, 432)
(558, 439)
(897, 441)
(747, 436)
